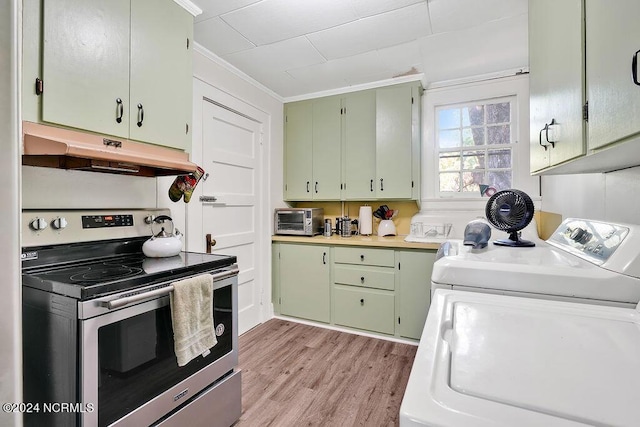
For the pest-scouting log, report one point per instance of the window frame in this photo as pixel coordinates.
(484, 148)
(470, 93)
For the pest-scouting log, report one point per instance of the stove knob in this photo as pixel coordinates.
(38, 224)
(149, 219)
(59, 223)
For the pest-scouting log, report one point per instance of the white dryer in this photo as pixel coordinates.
(550, 335)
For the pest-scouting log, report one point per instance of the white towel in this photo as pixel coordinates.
(192, 317)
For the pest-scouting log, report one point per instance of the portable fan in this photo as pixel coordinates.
(510, 211)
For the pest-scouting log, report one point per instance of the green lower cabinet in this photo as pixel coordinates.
(363, 308)
(383, 291)
(414, 290)
(305, 281)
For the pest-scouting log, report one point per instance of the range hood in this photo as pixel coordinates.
(49, 146)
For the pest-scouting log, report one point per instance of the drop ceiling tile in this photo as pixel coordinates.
(270, 21)
(280, 82)
(452, 15)
(366, 8)
(215, 35)
(402, 57)
(211, 8)
(493, 47)
(341, 69)
(375, 32)
(280, 56)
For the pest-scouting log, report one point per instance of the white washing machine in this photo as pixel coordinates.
(542, 336)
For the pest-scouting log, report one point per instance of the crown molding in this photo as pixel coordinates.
(190, 7)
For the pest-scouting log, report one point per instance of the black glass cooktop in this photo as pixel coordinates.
(95, 277)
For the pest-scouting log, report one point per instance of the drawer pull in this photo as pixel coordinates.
(361, 301)
(324, 257)
(362, 279)
(361, 257)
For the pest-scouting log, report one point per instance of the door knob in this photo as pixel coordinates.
(210, 242)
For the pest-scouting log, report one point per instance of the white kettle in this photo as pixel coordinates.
(163, 244)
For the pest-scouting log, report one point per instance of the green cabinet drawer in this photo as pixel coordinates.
(368, 277)
(364, 256)
(362, 308)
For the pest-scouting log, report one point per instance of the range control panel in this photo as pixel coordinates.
(592, 240)
(51, 227)
(101, 221)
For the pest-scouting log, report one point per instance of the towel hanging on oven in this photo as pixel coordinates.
(192, 317)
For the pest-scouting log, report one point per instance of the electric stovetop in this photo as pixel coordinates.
(60, 273)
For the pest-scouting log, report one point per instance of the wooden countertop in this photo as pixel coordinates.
(370, 241)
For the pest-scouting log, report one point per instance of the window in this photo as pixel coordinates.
(476, 139)
(474, 146)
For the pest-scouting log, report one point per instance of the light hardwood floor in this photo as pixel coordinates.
(299, 375)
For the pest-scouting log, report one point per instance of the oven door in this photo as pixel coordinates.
(128, 368)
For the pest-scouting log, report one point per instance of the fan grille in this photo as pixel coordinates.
(509, 210)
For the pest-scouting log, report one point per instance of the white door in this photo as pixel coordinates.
(227, 205)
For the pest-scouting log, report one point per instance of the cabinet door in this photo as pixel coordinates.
(393, 142)
(414, 273)
(359, 121)
(161, 73)
(305, 281)
(556, 80)
(298, 150)
(612, 40)
(86, 64)
(326, 150)
(363, 308)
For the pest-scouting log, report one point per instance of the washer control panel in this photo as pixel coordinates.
(592, 240)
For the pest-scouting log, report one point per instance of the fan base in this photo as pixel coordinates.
(514, 243)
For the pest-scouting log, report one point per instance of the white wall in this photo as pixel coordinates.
(207, 68)
(609, 196)
(10, 285)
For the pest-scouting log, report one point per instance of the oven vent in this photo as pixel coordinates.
(54, 147)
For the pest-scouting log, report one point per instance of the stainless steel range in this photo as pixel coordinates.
(98, 338)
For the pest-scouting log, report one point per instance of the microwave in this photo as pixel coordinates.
(299, 221)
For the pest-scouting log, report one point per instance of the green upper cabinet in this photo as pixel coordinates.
(394, 143)
(584, 85)
(364, 146)
(85, 64)
(312, 150)
(556, 82)
(613, 82)
(359, 135)
(120, 68)
(326, 149)
(161, 73)
(298, 150)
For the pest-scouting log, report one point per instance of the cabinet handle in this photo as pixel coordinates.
(381, 184)
(361, 301)
(140, 115)
(362, 279)
(540, 140)
(119, 110)
(545, 129)
(316, 187)
(324, 257)
(371, 185)
(307, 186)
(361, 257)
(634, 68)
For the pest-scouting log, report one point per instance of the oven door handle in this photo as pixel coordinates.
(121, 302)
